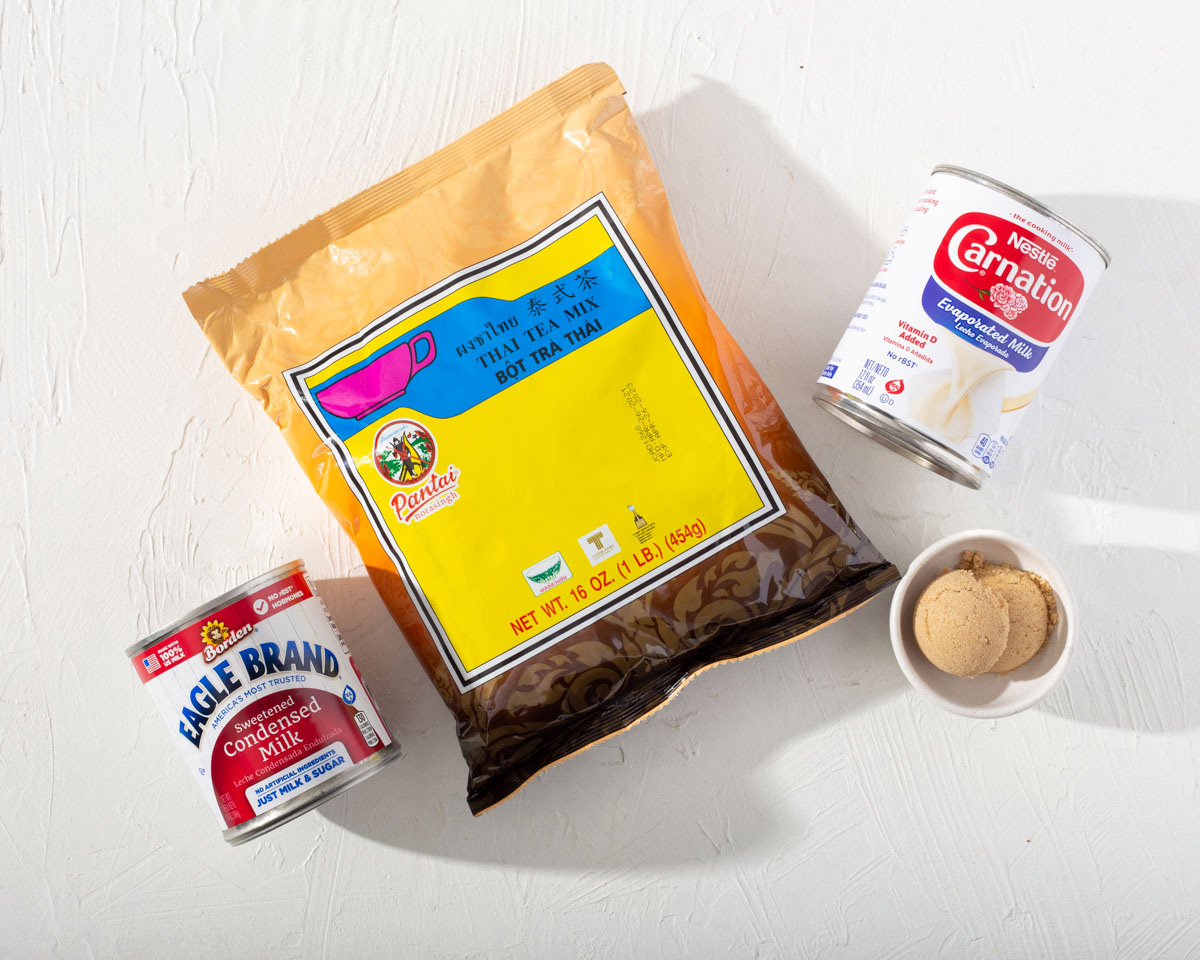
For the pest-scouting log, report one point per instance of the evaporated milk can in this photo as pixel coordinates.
(963, 321)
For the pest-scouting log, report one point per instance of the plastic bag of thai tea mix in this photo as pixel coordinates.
(566, 480)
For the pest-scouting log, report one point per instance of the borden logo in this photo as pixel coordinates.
(214, 633)
(218, 638)
(1003, 269)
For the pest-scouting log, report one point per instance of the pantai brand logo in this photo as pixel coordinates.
(405, 452)
(1004, 269)
(441, 490)
(218, 638)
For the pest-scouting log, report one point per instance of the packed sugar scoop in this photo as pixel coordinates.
(984, 617)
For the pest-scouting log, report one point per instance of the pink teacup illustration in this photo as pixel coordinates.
(379, 382)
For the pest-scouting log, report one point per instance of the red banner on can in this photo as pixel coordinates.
(214, 633)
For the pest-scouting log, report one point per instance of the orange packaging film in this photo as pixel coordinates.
(568, 483)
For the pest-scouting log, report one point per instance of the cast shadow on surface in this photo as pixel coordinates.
(697, 779)
(691, 783)
(1126, 510)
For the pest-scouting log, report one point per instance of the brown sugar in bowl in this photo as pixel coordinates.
(992, 694)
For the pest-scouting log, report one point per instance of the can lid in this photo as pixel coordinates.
(215, 604)
(1025, 199)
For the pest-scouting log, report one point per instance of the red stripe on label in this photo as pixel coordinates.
(214, 633)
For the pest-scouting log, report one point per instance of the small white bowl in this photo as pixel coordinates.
(991, 695)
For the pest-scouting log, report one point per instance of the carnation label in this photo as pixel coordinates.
(264, 702)
(964, 319)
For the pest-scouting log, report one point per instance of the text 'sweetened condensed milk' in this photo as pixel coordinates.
(966, 315)
(264, 702)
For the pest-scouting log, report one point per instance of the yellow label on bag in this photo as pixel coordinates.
(535, 442)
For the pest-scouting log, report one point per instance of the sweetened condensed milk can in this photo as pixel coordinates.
(963, 321)
(264, 702)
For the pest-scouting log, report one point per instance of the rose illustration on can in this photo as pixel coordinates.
(1011, 303)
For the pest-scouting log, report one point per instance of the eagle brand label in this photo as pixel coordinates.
(263, 699)
(966, 316)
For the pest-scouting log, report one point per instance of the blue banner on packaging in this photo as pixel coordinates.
(974, 326)
(522, 336)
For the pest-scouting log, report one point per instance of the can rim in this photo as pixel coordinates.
(1026, 199)
(292, 809)
(898, 437)
(212, 605)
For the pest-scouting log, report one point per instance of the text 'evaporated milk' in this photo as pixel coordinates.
(962, 322)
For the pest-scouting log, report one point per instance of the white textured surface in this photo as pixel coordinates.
(802, 804)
